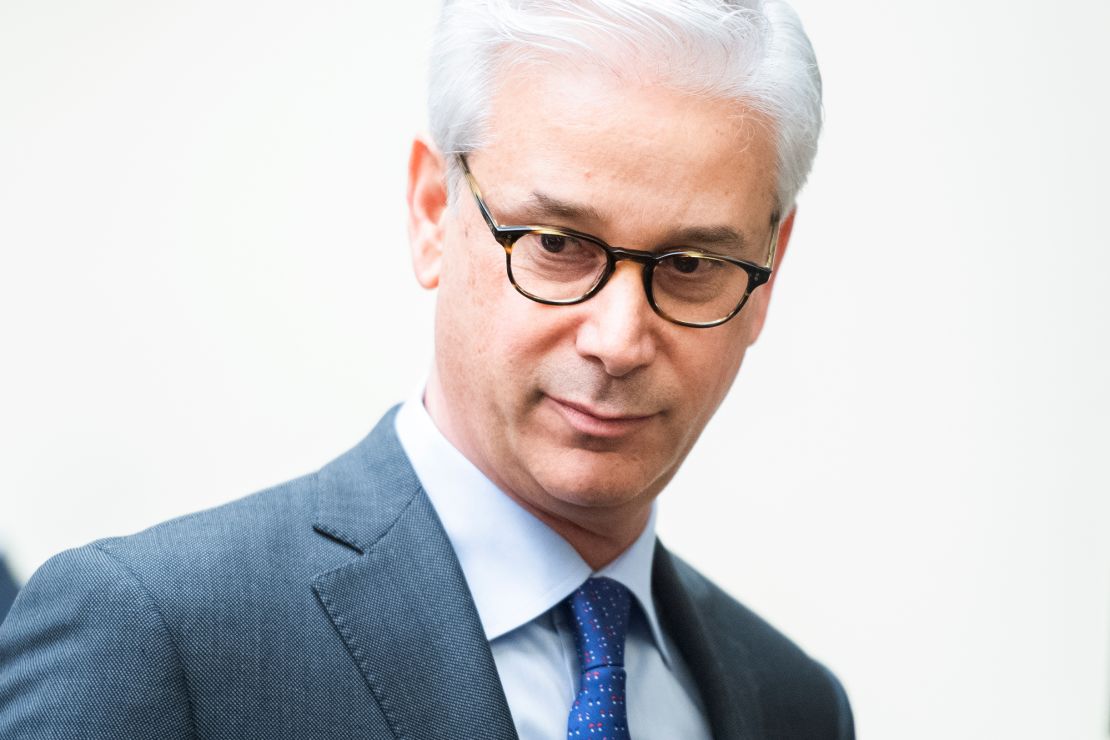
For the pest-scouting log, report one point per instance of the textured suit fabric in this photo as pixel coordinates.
(7, 589)
(332, 606)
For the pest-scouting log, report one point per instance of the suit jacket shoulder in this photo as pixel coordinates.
(202, 626)
(215, 624)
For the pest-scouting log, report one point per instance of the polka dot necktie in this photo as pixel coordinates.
(599, 611)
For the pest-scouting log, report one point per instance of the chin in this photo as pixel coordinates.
(591, 480)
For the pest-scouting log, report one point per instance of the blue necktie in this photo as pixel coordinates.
(599, 611)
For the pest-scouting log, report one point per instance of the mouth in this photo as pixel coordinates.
(593, 422)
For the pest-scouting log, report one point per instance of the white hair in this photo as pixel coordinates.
(754, 52)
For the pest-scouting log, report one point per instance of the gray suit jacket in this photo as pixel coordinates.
(7, 589)
(333, 606)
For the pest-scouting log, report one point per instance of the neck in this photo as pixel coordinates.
(599, 540)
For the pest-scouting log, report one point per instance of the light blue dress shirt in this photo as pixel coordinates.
(518, 570)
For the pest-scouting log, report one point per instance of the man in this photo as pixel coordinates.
(601, 205)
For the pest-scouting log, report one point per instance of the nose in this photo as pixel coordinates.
(619, 328)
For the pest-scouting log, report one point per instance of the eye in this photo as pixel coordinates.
(553, 243)
(686, 264)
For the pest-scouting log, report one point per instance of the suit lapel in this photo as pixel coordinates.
(729, 691)
(402, 606)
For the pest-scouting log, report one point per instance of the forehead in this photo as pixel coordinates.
(628, 148)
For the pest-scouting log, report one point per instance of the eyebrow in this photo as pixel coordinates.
(547, 205)
(543, 205)
(709, 236)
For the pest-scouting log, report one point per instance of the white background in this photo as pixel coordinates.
(204, 290)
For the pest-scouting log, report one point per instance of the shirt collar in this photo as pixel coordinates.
(516, 566)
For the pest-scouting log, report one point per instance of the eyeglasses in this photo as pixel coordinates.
(561, 267)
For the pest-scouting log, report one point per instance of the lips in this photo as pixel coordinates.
(593, 422)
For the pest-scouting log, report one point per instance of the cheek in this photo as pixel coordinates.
(486, 332)
(532, 348)
(471, 287)
(716, 366)
(467, 264)
(465, 316)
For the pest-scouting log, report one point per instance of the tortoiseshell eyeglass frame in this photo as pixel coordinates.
(507, 236)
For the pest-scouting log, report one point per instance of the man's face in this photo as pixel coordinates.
(592, 407)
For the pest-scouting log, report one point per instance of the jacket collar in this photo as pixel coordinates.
(402, 606)
(718, 660)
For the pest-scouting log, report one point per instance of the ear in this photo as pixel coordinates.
(762, 295)
(427, 199)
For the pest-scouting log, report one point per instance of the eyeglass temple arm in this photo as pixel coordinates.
(773, 248)
(477, 192)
